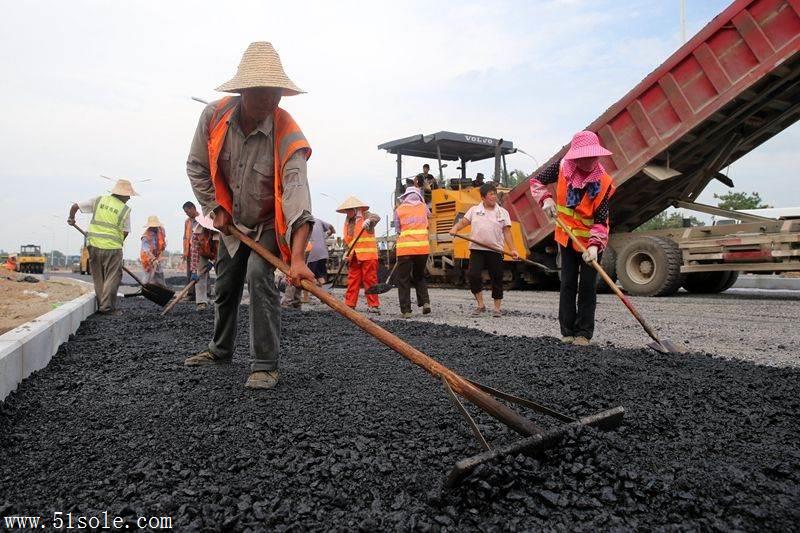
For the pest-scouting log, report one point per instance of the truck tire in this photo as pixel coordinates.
(650, 266)
(709, 282)
(609, 263)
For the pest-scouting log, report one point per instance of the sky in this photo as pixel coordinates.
(96, 87)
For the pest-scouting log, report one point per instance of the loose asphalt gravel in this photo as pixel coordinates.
(355, 437)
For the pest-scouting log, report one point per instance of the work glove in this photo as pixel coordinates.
(71, 221)
(195, 277)
(590, 254)
(549, 208)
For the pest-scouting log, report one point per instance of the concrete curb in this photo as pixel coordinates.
(29, 347)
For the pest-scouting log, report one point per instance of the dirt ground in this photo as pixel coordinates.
(21, 301)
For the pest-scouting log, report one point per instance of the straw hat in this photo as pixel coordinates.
(206, 222)
(585, 144)
(152, 222)
(260, 67)
(351, 203)
(123, 188)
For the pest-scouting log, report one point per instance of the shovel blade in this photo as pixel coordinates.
(664, 346)
(379, 288)
(157, 294)
(608, 419)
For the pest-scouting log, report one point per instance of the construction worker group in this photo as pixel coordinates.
(247, 167)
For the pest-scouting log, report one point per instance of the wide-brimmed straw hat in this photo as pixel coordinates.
(153, 222)
(206, 222)
(585, 144)
(351, 203)
(260, 67)
(123, 188)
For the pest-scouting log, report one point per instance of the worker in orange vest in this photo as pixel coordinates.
(412, 249)
(154, 242)
(583, 189)
(247, 167)
(362, 263)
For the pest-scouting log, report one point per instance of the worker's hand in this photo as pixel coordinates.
(452, 231)
(549, 208)
(298, 271)
(222, 219)
(590, 255)
(194, 277)
(71, 221)
(515, 255)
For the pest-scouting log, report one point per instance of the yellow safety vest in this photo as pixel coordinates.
(108, 219)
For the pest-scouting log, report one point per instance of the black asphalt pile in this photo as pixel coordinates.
(354, 436)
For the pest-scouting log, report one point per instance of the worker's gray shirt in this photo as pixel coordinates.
(248, 165)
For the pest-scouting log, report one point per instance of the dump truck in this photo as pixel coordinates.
(729, 89)
(29, 259)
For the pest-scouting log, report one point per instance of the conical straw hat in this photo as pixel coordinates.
(351, 203)
(152, 222)
(123, 188)
(260, 67)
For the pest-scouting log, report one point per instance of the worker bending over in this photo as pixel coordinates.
(583, 188)
(490, 226)
(362, 263)
(154, 242)
(247, 167)
(412, 249)
(110, 225)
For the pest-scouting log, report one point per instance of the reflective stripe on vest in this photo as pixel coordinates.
(105, 231)
(580, 218)
(367, 247)
(413, 238)
(287, 139)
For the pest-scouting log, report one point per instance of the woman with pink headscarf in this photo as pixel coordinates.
(582, 190)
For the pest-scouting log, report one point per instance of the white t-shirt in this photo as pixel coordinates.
(487, 226)
(88, 207)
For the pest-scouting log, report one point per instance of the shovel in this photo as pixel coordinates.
(344, 256)
(528, 261)
(155, 293)
(380, 288)
(485, 398)
(182, 294)
(659, 345)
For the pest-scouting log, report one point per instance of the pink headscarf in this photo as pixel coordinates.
(584, 144)
(576, 178)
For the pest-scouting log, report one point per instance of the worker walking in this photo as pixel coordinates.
(362, 266)
(110, 225)
(154, 242)
(204, 244)
(490, 225)
(247, 167)
(583, 188)
(188, 227)
(412, 249)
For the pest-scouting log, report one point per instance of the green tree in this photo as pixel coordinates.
(740, 200)
(666, 220)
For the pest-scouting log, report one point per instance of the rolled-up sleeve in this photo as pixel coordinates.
(296, 200)
(197, 166)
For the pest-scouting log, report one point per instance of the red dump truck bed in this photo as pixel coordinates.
(730, 88)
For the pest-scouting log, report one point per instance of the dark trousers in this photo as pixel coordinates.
(411, 272)
(265, 309)
(491, 261)
(579, 279)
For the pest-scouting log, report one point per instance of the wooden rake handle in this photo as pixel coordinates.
(460, 385)
(345, 256)
(528, 261)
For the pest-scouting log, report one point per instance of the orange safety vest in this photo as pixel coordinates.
(287, 139)
(581, 218)
(367, 247)
(413, 238)
(161, 244)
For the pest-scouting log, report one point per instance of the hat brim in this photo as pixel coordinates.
(587, 151)
(236, 85)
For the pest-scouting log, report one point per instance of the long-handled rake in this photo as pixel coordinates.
(659, 345)
(528, 261)
(155, 293)
(485, 398)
